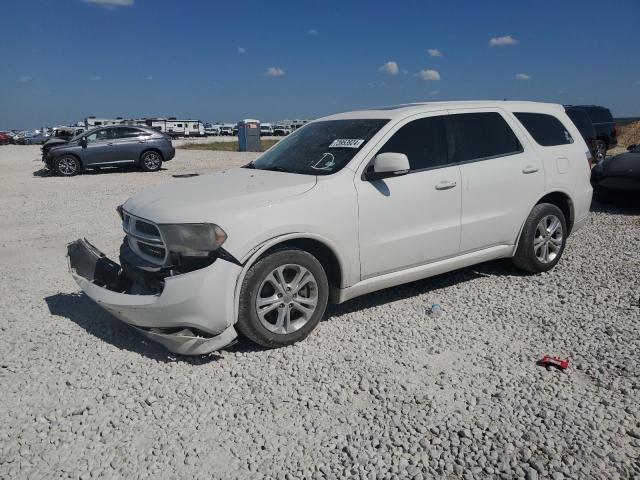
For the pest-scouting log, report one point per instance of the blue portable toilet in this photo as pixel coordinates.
(249, 135)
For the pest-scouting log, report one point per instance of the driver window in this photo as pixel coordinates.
(98, 136)
(423, 141)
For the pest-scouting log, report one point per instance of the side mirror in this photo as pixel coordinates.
(388, 164)
(83, 142)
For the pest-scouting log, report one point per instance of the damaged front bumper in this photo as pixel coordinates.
(192, 315)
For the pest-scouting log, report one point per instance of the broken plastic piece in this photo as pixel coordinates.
(549, 361)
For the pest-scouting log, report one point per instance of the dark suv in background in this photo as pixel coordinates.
(604, 125)
(118, 145)
(582, 121)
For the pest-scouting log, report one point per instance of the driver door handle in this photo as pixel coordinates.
(529, 169)
(445, 185)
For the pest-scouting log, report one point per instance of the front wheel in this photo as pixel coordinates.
(151, 161)
(283, 297)
(67, 166)
(542, 240)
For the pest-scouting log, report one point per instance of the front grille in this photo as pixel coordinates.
(144, 238)
(156, 252)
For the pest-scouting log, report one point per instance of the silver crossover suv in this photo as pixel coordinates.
(110, 147)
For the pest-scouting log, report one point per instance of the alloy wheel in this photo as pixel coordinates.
(67, 166)
(152, 161)
(548, 239)
(287, 299)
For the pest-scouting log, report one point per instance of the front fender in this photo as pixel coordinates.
(254, 254)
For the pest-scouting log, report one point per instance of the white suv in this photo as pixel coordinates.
(346, 205)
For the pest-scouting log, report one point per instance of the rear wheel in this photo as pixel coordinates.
(601, 150)
(283, 297)
(542, 240)
(67, 166)
(151, 161)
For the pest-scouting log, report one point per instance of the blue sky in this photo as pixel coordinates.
(223, 61)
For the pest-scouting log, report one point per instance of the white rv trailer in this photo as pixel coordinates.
(91, 122)
(176, 127)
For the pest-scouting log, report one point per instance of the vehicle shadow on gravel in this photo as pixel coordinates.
(502, 267)
(85, 313)
(621, 204)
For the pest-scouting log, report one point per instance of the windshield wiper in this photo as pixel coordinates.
(249, 165)
(277, 168)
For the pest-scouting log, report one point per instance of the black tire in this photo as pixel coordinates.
(67, 166)
(249, 323)
(527, 256)
(600, 150)
(151, 161)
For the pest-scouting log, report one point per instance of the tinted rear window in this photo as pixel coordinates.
(582, 121)
(545, 129)
(598, 114)
(480, 135)
(423, 141)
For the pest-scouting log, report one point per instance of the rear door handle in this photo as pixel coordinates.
(529, 169)
(445, 185)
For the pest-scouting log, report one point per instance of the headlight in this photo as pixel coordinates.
(193, 239)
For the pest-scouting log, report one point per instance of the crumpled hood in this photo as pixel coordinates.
(229, 194)
(55, 142)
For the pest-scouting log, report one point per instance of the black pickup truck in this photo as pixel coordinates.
(605, 127)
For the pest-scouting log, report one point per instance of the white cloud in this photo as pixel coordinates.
(522, 76)
(560, 91)
(434, 92)
(24, 78)
(111, 4)
(637, 82)
(149, 77)
(390, 68)
(95, 78)
(428, 75)
(313, 32)
(242, 50)
(274, 72)
(434, 52)
(502, 41)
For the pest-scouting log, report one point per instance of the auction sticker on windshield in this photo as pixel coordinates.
(346, 143)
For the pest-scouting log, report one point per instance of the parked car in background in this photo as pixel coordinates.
(226, 130)
(32, 137)
(281, 131)
(212, 130)
(582, 121)
(108, 147)
(620, 173)
(605, 126)
(59, 136)
(347, 205)
(5, 138)
(234, 130)
(266, 130)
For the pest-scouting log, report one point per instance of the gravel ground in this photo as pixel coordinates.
(382, 389)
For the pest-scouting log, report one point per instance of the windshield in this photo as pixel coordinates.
(320, 148)
(76, 137)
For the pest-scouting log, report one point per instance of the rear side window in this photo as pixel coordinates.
(475, 136)
(423, 141)
(545, 129)
(127, 132)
